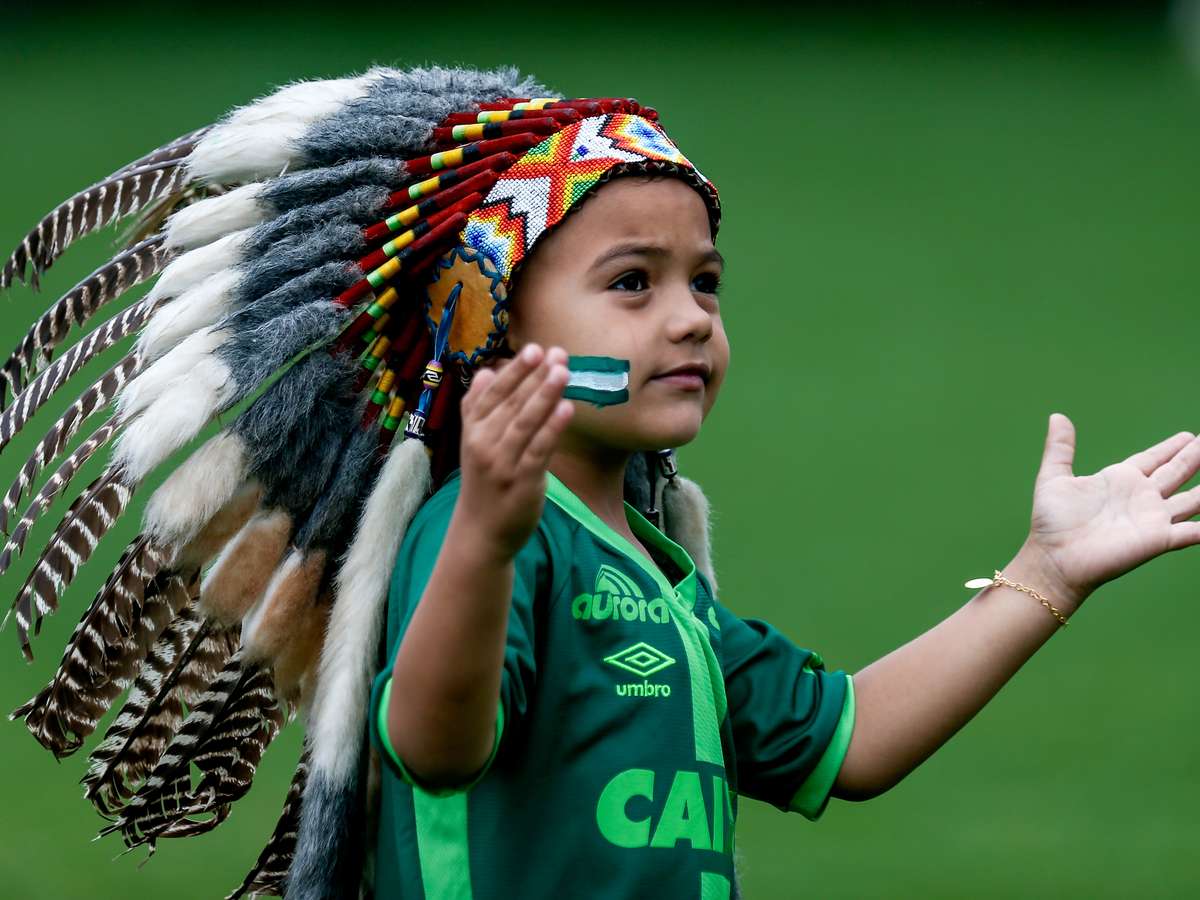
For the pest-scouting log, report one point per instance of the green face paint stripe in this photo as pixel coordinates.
(600, 380)
(595, 397)
(813, 795)
(597, 364)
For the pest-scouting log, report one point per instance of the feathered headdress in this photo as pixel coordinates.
(325, 257)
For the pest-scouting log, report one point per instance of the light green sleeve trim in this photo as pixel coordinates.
(441, 790)
(813, 796)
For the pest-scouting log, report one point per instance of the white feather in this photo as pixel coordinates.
(151, 382)
(196, 491)
(195, 266)
(337, 717)
(258, 140)
(172, 420)
(687, 517)
(213, 217)
(189, 313)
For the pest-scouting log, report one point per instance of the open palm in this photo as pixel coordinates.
(1094, 528)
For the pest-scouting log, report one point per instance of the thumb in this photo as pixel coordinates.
(1059, 454)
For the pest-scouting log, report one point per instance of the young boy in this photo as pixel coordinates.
(565, 709)
(528, 716)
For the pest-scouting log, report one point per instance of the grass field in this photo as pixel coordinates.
(939, 230)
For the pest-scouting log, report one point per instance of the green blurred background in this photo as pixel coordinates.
(941, 227)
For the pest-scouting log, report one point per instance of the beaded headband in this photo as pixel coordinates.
(536, 160)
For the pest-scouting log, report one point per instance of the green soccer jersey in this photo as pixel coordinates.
(634, 710)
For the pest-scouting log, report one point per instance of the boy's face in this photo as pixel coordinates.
(632, 274)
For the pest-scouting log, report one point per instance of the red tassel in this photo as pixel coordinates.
(424, 165)
(425, 209)
(435, 240)
(566, 116)
(543, 126)
(497, 163)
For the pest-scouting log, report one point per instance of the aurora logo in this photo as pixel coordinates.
(616, 596)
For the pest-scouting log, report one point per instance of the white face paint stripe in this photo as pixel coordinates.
(599, 381)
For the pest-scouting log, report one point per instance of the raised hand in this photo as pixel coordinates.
(1091, 529)
(512, 418)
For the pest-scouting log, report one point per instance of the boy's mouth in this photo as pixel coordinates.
(688, 377)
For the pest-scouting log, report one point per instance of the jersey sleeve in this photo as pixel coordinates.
(791, 718)
(414, 564)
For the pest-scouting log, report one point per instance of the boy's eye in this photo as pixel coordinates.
(707, 283)
(631, 281)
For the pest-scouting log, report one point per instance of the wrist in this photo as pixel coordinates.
(474, 544)
(1034, 568)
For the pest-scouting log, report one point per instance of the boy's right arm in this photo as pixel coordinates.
(442, 723)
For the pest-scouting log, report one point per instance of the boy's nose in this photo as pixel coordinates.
(687, 318)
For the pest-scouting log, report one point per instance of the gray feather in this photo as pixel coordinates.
(361, 205)
(311, 186)
(293, 431)
(285, 260)
(397, 115)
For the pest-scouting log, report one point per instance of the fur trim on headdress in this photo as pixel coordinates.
(686, 511)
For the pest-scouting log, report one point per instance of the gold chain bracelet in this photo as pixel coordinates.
(1000, 579)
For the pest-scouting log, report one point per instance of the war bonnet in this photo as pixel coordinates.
(332, 262)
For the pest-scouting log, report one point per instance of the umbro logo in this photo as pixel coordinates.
(641, 659)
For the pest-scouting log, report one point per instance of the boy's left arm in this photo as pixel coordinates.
(1085, 531)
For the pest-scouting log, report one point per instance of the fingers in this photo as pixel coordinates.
(1184, 534)
(1153, 457)
(479, 384)
(506, 409)
(1184, 505)
(543, 442)
(501, 385)
(1059, 453)
(532, 405)
(510, 407)
(1183, 465)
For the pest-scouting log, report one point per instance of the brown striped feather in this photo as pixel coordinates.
(270, 871)
(105, 654)
(72, 544)
(48, 381)
(54, 486)
(55, 441)
(178, 670)
(77, 306)
(126, 191)
(223, 737)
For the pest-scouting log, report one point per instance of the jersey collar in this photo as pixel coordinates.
(570, 503)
